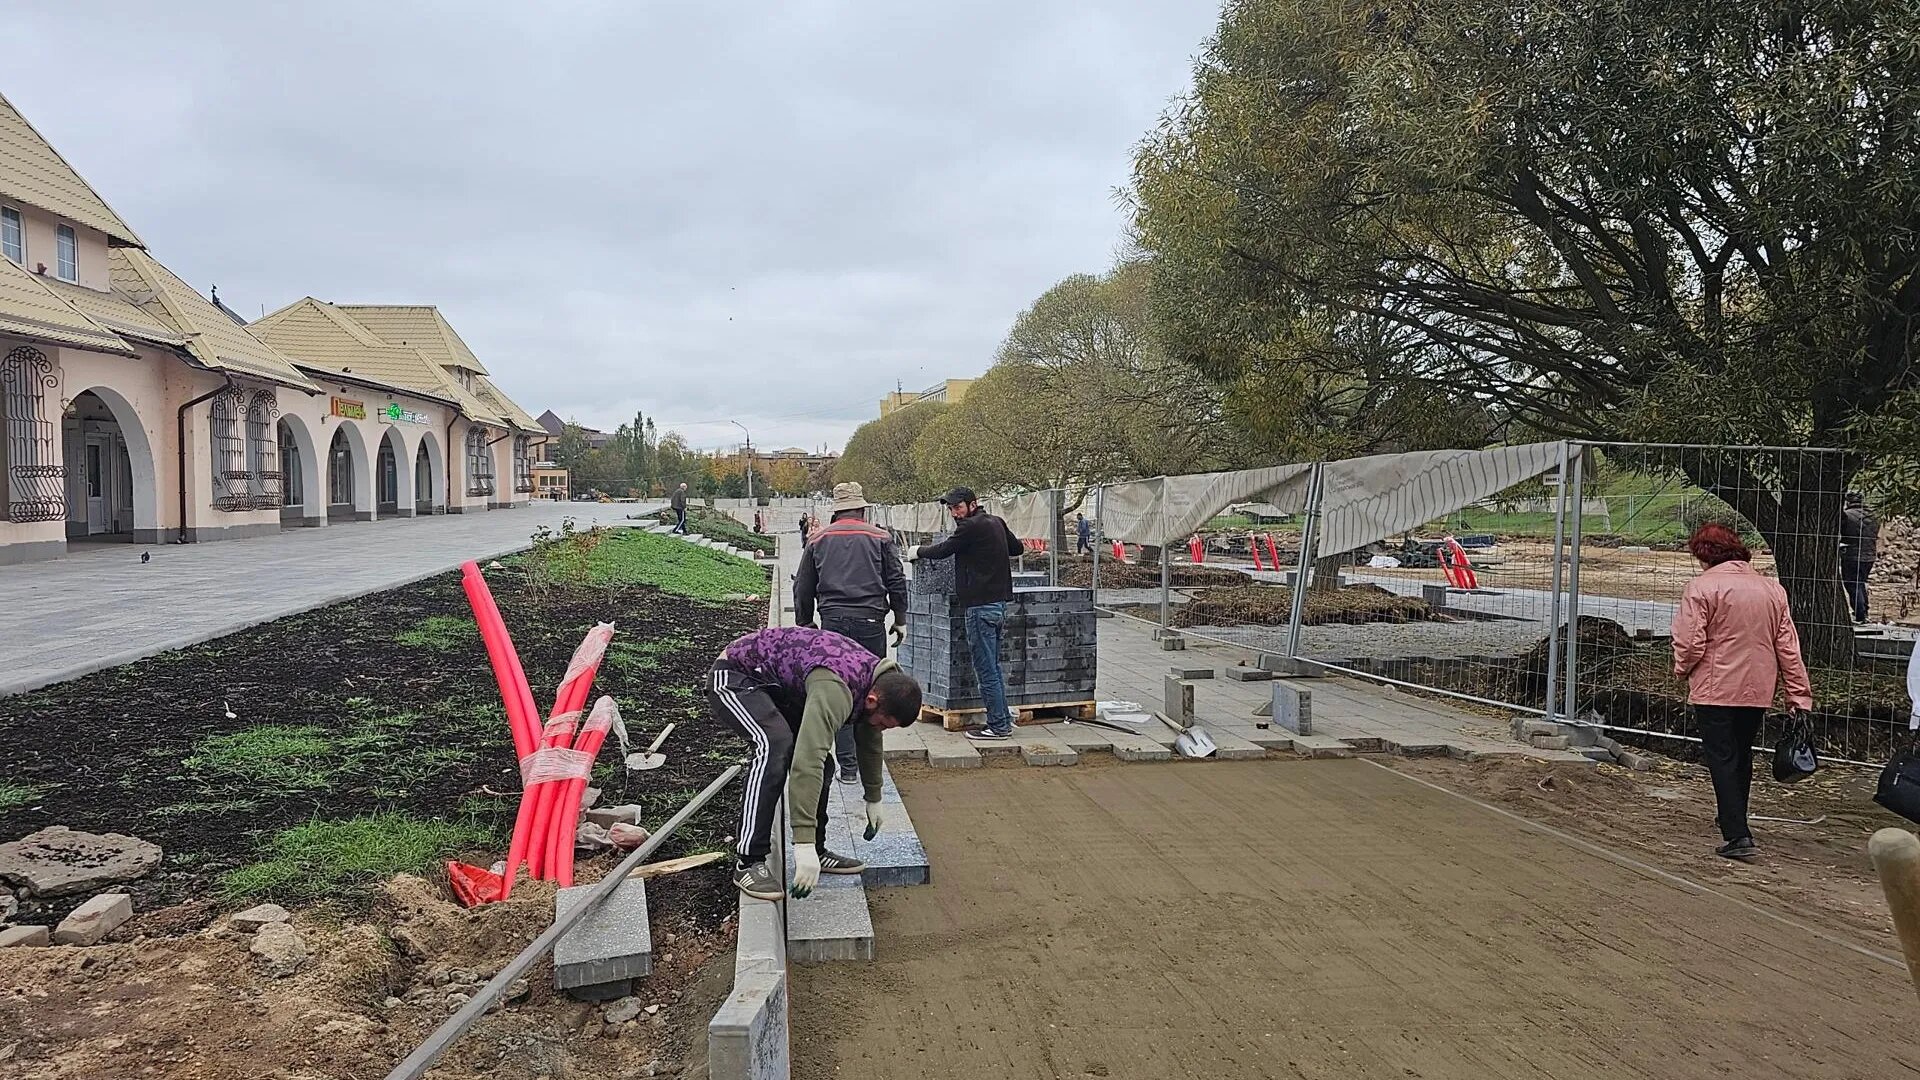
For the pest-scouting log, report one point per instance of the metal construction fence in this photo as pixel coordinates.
(1444, 572)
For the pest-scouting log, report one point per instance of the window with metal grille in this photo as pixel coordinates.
(36, 485)
(232, 483)
(522, 464)
(479, 462)
(263, 452)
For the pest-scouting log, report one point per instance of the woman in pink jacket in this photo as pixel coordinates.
(1734, 641)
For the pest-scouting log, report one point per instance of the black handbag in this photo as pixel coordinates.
(1899, 789)
(1793, 756)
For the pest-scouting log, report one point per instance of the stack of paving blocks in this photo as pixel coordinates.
(1048, 645)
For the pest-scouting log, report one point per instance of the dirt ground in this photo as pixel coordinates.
(1323, 919)
(181, 998)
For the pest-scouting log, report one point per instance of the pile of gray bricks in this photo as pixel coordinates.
(1048, 645)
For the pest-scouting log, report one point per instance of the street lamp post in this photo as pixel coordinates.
(749, 456)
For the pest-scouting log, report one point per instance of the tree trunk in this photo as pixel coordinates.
(1326, 573)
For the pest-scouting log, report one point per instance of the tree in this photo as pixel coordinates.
(571, 447)
(880, 458)
(1617, 220)
(636, 445)
(786, 476)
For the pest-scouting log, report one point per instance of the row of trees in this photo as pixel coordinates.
(640, 461)
(1372, 227)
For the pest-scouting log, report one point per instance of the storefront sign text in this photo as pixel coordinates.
(352, 410)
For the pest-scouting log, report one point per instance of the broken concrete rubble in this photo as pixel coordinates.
(58, 861)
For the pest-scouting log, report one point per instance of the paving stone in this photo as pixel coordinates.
(1231, 746)
(1133, 746)
(1180, 672)
(1415, 746)
(1550, 742)
(903, 744)
(1083, 738)
(895, 856)
(1242, 673)
(611, 946)
(1173, 644)
(1320, 746)
(832, 923)
(948, 749)
(1288, 667)
(58, 861)
(94, 919)
(20, 937)
(1179, 699)
(1635, 760)
(1047, 751)
(1272, 739)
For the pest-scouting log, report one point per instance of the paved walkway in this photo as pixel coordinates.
(100, 606)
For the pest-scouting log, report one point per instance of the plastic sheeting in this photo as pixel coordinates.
(1363, 499)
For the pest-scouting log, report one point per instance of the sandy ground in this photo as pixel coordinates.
(1319, 919)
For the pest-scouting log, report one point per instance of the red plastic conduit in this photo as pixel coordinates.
(592, 736)
(522, 712)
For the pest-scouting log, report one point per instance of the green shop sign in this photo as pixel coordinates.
(398, 415)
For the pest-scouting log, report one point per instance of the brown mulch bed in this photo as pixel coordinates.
(1272, 605)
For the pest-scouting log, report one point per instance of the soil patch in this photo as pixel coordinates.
(1289, 919)
(1077, 571)
(384, 705)
(1272, 605)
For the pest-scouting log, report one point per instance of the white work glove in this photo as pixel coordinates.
(910, 555)
(806, 871)
(875, 819)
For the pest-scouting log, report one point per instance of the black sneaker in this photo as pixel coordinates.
(758, 882)
(986, 734)
(1743, 848)
(831, 863)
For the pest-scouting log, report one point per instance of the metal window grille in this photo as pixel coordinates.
(35, 483)
(232, 483)
(479, 463)
(263, 451)
(522, 464)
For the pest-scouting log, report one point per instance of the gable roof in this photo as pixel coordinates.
(322, 335)
(213, 339)
(419, 326)
(29, 309)
(34, 173)
(116, 312)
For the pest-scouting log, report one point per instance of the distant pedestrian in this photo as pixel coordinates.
(1734, 641)
(852, 571)
(759, 523)
(1083, 533)
(806, 526)
(1859, 544)
(982, 548)
(679, 504)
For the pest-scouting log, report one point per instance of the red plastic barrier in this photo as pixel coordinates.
(1196, 550)
(1253, 545)
(1273, 551)
(1119, 551)
(1454, 564)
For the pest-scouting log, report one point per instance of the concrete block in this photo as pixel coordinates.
(1527, 729)
(1415, 746)
(1134, 746)
(1635, 760)
(903, 744)
(1243, 673)
(1173, 644)
(19, 937)
(1288, 667)
(1179, 699)
(609, 948)
(1599, 754)
(1181, 672)
(94, 919)
(1550, 742)
(1292, 708)
(747, 1039)
(948, 749)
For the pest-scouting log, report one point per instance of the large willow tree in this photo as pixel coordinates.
(1625, 219)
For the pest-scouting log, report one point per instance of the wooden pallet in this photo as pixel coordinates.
(961, 719)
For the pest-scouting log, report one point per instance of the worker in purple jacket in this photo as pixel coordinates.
(787, 691)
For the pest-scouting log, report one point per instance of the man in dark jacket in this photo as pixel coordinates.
(1859, 544)
(1083, 531)
(787, 691)
(679, 504)
(852, 571)
(981, 547)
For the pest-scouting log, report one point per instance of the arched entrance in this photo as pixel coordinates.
(386, 480)
(422, 480)
(111, 489)
(343, 470)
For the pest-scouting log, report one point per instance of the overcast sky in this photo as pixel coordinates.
(765, 212)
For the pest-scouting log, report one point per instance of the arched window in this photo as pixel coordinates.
(263, 452)
(479, 462)
(293, 486)
(36, 485)
(339, 470)
(522, 464)
(232, 483)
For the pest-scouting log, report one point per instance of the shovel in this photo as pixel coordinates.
(653, 758)
(1192, 741)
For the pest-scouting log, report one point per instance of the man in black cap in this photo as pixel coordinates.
(981, 547)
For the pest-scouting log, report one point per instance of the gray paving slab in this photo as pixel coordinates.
(948, 749)
(1232, 746)
(1083, 738)
(609, 948)
(114, 609)
(895, 856)
(1040, 747)
(903, 744)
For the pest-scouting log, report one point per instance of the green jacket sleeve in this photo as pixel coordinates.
(829, 704)
(866, 744)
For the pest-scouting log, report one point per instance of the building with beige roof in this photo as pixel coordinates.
(132, 408)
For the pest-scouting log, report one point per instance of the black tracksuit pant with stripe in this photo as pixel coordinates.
(767, 715)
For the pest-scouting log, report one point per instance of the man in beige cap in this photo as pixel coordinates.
(851, 571)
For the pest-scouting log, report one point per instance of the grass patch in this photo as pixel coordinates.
(443, 633)
(14, 795)
(327, 858)
(274, 758)
(631, 556)
(723, 527)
